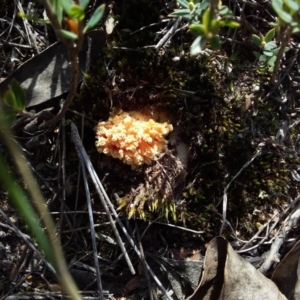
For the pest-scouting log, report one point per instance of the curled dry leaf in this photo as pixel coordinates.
(286, 275)
(228, 276)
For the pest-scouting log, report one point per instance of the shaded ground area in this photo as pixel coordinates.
(231, 162)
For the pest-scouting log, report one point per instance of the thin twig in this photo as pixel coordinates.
(169, 34)
(78, 175)
(88, 63)
(12, 22)
(279, 218)
(285, 39)
(62, 170)
(169, 225)
(92, 227)
(10, 44)
(148, 26)
(274, 88)
(73, 49)
(144, 261)
(256, 236)
(73, 53)
(273, 255)
(258, 152)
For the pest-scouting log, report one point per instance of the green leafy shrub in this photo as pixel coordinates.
(205, 22)
(269, 51)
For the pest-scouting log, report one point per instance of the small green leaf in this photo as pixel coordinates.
(185, 13)
(198, 45)
(214, 26)
(295, 27)
(292, 5)
(256, 40)
(275, 51)
(270, 69)
(270, 35)
(197, 29)
(10, 99)
(58, 10)
(202, 6)
(183, 3)
(277, 5)
(95, 18)
(268, 53)
(225, 12)
(271, 61)
(262, 58)
(270, 46)
(76, 12)
(229, 23)
(66, 5)
(283, 15)
(208, 16)
(84, 3)
(68, 34)
(19, 94)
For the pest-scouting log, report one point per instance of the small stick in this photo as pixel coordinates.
(10, 44)
(231, 181)
(63, 173)
(79, 174)
(256, 236)
(92, 227)
(285, 39)
(148, 26)
(143, 260)
(73, 49)
(87, 64)
(169, 225)
(169, 34)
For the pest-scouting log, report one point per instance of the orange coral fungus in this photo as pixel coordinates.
(132, 137)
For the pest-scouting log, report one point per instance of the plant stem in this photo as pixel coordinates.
(73, 53)
(73, 49)
(285, 38)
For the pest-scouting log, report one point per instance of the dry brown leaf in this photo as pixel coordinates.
(228, 276)
(132, 284)
(286, 275)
